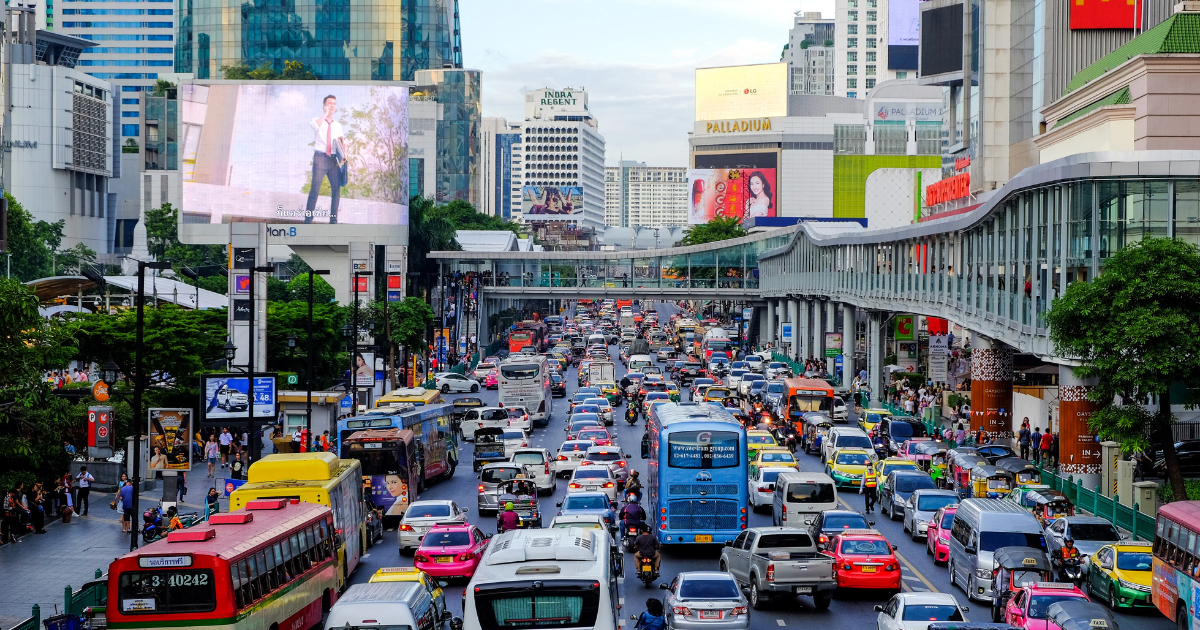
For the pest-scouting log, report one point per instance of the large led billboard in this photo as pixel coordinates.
(552, 203)
(731, 192)
(294, 153)
(942, 40)
(758, 91)
(1102, 14)
(904, 34)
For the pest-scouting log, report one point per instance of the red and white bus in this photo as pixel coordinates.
(527, 333)
(271, 565)
(1176, 558)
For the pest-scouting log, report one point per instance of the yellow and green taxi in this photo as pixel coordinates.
(672, 390)
(717, 394)
(871, 417)
(756, 441)
(847, 465)
(885, 466)
(772, 457)
(610, 391)
(1120, 574)
(411, 574)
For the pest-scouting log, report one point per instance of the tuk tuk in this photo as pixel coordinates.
(960, 474)
(1079, 614)
(489, 447)
(1049, 505)
(814, 426)
(1023, 472)
(522, 493)
(960, 451)
(461, 406)
(924, 451)
(988, 482)
(1023, 495)
(1014, 567)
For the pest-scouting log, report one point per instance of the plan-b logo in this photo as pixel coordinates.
(285, 231)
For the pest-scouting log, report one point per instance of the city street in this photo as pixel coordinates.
(920, 574)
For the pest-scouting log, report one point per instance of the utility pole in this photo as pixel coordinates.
(308, 380)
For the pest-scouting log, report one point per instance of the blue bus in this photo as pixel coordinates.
(438, 454)
(697, 485)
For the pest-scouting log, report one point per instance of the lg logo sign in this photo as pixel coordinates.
(289, 231)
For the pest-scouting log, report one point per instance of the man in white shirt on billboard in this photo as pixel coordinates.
(328, 147)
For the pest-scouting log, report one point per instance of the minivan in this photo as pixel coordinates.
(981, 526)
(384, 604)
(639, 361)
(845, 437)
(800, 496)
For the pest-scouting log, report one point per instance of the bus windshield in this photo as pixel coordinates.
(802, 404)
(168, 592)
(520, 371)
(703, 449)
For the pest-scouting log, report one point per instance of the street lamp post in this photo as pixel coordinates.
(139, 385)
(252, 442)
(308, 380)
(354, 341)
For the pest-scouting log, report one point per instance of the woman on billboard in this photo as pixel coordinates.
(760, 203)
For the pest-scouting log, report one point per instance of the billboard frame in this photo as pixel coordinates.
(246, 415)
(187, 428)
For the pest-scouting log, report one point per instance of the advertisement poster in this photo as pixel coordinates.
(906, 327)
(833, 344)
(731, 192)
(730, 92)
(389, 492)
(170, 436)
(364, 369)
(904, 23)
(1103, 14)
(227, 397)
(307, 152)
(552, 202)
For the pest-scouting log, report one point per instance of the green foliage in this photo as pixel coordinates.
(297, 264)
(163, 87)
(719, 229)
(410, 318)
(1136, 329)
(130, 146)
(216, 284)
(292, 71)
(1167, 495)
(298, 289)
(428, 230)
(71, 261)
(162, 239)
(278, 290)
(162, 229)
(31, 243)
(329, 347)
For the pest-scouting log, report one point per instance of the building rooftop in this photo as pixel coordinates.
(486, 240)
(1179, 34)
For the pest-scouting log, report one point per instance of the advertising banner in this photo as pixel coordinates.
(364, 369)
(939, 351)
(228, 397)
(733, 192)
(309, 152)
(906, 327)
(1103, 14)
(899, 112)
(551, 203)
(833, 344)
(170, 436)
(904, 22)
(756, 91)
(389, 492)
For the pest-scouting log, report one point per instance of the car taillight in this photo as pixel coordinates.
(823, 539)
(681, 610)
(481, 487)
(783, 515)
(740, 610)
(847, 566)
(770, 572)
(548, 467)
(470, 555)
(608, 485)
(421, 558)
(892, 567)
(574, 485)
(621, 464)
(405, 527)
(561, 458)
(764, 488)
(524, 444)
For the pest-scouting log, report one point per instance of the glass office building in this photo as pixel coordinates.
(335, 39)
(458, 152)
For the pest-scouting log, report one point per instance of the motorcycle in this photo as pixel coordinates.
(631, 415)
(646, 572)
(1071, 570)
(153, 525)
(629, 533)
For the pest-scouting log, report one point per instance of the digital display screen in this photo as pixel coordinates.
(738, 193)
(942, 40)
(755, 91)
(703, 449)
(546, 203)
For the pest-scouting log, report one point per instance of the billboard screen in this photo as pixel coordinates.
(170, 439)
(309, 152)
(758, 91)
(552, 203)
(904, 34)
(1102, 14)
(739, 193)
(942, 40)
(228, 397)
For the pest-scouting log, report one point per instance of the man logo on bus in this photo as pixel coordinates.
(703, 476)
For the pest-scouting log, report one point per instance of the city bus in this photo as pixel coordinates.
(430, 425)
(807, 394)
(415, 396)
(319, 478)
(525, 382)
(1176, 555)
(696, 485)
(271, 565)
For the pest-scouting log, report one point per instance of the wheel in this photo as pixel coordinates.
(970, 586)
(758, 601)
(823, 601)
(445, 388)
(474, 387)
(953, 578)
(1112, 594)
(928, 550)
(996, 616)
(904, 526)
(1181, 617)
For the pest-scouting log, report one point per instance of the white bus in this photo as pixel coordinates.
(525, 382)
(545, 578)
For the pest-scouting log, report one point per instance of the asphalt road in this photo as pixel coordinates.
(847, 611)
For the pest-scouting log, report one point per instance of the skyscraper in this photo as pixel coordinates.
(500, 188)
(562, 147)
(810, 55)
(876, 41)
(637, 195)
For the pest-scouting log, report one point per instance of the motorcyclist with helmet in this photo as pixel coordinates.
(1065, 557)
(633, 485)
(632, 515)
(647, 546)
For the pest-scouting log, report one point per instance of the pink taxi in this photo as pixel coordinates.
(451, 551)
(492, 380)
(937, 543)
(1028, 608)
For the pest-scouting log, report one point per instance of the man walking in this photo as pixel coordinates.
(226, 444)
(1047, 446)
(85, 480)
(1023, 437)
(327, 148)
(1035, 441)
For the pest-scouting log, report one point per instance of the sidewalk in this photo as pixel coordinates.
(35, 570)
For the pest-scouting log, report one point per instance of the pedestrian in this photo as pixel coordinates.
(1023, 438)
(960, 435)
(325, 441)
(226, 442)
(125, 495)
(212, 450)
(1035, 441)
(237, 467)
(1054, 448)
(182, 487)
(37, 508)
(85, 480)
(212, 502)
(12, 521)
(1047, 446)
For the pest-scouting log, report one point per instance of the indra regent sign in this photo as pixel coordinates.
(550, 97)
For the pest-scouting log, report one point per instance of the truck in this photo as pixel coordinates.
(627, 321)
(777, 563)
(602, 372)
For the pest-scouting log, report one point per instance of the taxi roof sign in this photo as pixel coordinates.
(1064, 585)
(861, 532)
(1098, 623)
(1029, 562)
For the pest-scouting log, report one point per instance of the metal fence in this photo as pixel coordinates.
(1132, 519)
(94, 593)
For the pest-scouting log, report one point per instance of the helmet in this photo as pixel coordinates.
(631, 498)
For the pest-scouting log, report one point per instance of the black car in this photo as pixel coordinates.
(831, 522)
(896, 430)
(995, 452)
(690, 370)
(1188, 454)
(558, 387)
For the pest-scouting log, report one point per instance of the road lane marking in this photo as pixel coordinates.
(365, 556)
(780, 622)
(620, 601)
(900, 557)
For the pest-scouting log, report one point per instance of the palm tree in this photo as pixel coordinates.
(428, 230)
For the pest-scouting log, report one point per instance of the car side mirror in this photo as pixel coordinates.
(628, 456)
(878, 608)
(465, 510)
(1107, 566)
(871, 523)
(966, 608)
(456, 624)
(488, 536)
(663, 586)
(971, 550)
(728, 543)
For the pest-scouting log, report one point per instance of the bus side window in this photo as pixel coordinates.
(237, 573)
(262, 582)
(306, 546)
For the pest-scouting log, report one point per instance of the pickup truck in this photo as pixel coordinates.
(772, 561)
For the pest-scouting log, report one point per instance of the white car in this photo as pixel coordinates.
(755, 363)
(518, 418)
(606, 411)
(454, 382)
(540, 467)
(915, 611)
(744, 383)
(514, 439)
(762, 487)
(775, 369)
(583, 521)
(595, 478)
(839, 409)
(569, 455)
(735, 379)
(422, 515)
(232, 400)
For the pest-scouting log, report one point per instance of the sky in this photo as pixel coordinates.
(636, 59)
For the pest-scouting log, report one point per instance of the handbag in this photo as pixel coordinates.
(113, 505)
(339, 154)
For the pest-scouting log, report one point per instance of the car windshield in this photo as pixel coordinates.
(908, 483)
(604, 456)
(520, 371)
(717, 393)
(932, 612)
(947, 520)
(586, 503)
(418, 510)
(901, 430)
(581, 525)
(1134, 561)
(774, 388)
(865, 547)
(658, 395)
(496, 475)
(709, 589)
(1026, 578)
(783, 541)
(576, 446)
(1103, 532)
(991, 541)
(515, 412)
(810, 492)
(770, 476)
(597, 401)
(587, 409)
(777, 458)
(584, 473)
(1040, 604)
(528, 457)
(512, 435)
(844, 521)
(855, 441)
(759, 439)
(934, 502)
(446, 539)
(586, 420)
(853, 459)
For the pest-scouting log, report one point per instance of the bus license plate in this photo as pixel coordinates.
(710, 614)
(868, 569)
(703, 538)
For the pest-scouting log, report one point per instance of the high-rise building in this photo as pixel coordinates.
(500, 188)
(637, 195)
(376, 41)
(562, 148)
(456, 163)
(810, 54)
(876, 40)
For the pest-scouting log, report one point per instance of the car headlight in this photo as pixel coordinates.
(983, 574)
(921, 522)
(1129, 585)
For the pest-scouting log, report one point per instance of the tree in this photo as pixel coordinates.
(292, 71)
(329, 347)
(162, 230)
(410, 318)
(72, 260)
(162, 239)
(718, 229)
(31, 243)
(428, 231)
(278, 290)
(1136, 328)
(295, 71)
(298, 288)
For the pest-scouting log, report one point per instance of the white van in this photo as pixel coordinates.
(639, 361)
(563, 572)
(981, 526)
(845, 437)
(383, 605)
(800, 496)
(539, 468)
